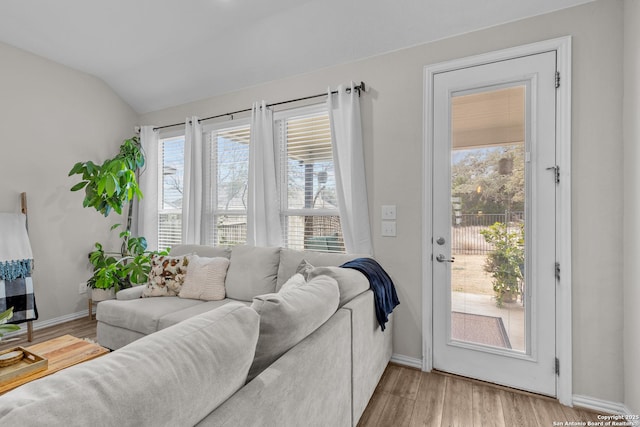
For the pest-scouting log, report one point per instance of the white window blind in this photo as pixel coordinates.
(171, 161)
(310, 216)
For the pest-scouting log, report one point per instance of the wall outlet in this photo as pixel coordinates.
(82, 288)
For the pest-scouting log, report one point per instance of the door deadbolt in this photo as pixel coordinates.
(440, 241)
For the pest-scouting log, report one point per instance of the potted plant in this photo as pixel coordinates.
(115, 271)
(5, 316)
(505, 261)
(108, 187)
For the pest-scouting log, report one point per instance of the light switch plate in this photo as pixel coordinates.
(388, 228)
(388, 212)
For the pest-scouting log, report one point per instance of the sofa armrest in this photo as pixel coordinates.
(310, 385)
(371, 347)
(130, 293)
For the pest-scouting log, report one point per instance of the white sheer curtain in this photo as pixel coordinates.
(348, 159)
(147, 215)
(263, 208)
(192, 193)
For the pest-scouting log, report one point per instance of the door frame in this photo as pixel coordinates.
(562, 47)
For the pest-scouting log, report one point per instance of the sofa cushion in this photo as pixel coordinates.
(178, 316)
(253, 271)
(287, 317)
(205, 278)
(290, 260)
(350, 282)
(142, 314)
(166, 276)
(175, 377)
(202, 250)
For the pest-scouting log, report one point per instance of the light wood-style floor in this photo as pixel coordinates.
(409, 397)
(79, 328)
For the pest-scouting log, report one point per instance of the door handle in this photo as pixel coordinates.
(441, 258)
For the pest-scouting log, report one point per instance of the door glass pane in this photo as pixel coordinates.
(488, 217)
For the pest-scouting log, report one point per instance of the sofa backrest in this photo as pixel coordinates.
(253, 271)
(290, 260)
(175, 376)
(257, 270)
(202, 250)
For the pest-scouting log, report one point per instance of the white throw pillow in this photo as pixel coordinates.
(293, 282)
(289, 316)
(205, 278)
(299, 278)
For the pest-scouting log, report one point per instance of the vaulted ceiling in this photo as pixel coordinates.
(160, 53)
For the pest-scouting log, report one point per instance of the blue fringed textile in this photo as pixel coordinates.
(11, 270)
(384, 290)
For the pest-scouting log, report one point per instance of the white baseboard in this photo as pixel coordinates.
(401, 359)
(39, 324)
(600, 406)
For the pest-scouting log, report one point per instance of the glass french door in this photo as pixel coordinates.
(494, 222)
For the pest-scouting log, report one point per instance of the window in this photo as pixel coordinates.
(310, 216)
(308, 199)
(226, 166)
(171, 159)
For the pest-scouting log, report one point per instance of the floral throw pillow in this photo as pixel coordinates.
(166, 276)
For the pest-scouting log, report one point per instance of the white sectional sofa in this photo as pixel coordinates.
(325, 379)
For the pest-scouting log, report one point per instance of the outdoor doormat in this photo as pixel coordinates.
(479, 329)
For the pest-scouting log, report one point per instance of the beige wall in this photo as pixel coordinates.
(631, 252)
(51, 117)
(393, 120)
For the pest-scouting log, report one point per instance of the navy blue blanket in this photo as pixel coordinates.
(381, 284)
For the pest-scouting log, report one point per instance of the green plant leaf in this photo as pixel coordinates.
(79, 186)
(102, 182)
(138, 192)
(111, 185)
(6, 315)
(77, 168)
(91, 167)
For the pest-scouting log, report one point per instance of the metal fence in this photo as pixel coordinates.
(465, 231)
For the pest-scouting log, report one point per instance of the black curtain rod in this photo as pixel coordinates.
(360, 88)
